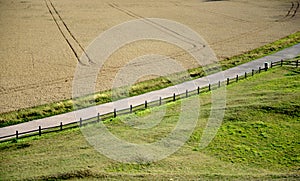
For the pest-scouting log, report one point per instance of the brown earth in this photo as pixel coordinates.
(37, 64)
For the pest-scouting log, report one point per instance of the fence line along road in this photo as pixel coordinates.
(146, 100)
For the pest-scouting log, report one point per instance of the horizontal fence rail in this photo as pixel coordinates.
(131, 109)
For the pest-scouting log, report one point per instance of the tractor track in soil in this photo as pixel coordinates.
(71, 34)
(291, 12)
(72, 37)
(157, 25)
(53, 12)
(62, 33)
(134, 15)
(163, 29)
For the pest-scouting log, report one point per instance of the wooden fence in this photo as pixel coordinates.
(82, 122)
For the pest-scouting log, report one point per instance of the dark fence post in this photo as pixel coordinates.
(245, 75)
(130, 108)
(297, 63)
(252, 72)
(186, 93)
(80, 122)
(281, 62)
(98, 117)
(159, 100)
(115, 113)
(61, 126)
(174, 98)
(209, 88)
(259, 69)
(40, 130)
(219, 84)
(17, 134)
(198, 90)
(146, 105)
(266, 66)
(237, 78)
(228, 81)
(271, 65)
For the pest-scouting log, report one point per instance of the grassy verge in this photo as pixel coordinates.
(258, 140)
(51, 109)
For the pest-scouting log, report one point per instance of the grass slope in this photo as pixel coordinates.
(259, 139)
(47, 110)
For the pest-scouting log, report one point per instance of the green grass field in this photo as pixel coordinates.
(64, 106)
(258, 140)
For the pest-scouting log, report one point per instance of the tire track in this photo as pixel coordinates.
(164, 29)
(291, 12)
(157, 25)
(72, 47)
(257, 30)
(71, 34)
(62, 33)
(52, 12)
(296, 10)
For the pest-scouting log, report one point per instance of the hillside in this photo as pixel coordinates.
(258, 139)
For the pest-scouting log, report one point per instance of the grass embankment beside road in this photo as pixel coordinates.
(259, 139)
(64, 106)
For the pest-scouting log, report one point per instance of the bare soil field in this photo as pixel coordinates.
(38, 38)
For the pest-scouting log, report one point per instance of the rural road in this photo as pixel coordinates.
(151, 96)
